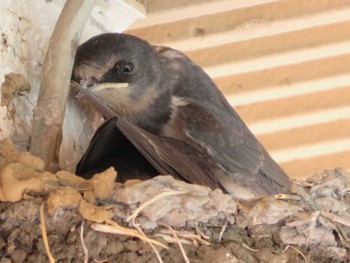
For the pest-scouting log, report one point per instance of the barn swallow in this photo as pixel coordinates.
(165, 115)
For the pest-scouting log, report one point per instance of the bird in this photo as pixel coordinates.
(165, 115)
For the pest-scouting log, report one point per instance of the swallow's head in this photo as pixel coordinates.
(121, 72)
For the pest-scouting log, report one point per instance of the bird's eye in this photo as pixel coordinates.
(128, 67)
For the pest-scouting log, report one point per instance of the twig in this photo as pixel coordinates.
(101, 261)
(334, 218)
(287, 197)
(298, 251)
(183, 252)
(249, 248)
(171, 239)
(153, 200)
(138, 228)
(86, 251)
(115, 228)
(313, 223)
(185, 236)
(199, 232)
(44, 234)
(223, 230)
(54, 90)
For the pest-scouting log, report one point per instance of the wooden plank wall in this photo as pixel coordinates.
(283, 65)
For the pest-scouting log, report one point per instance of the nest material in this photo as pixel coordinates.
(310, 224)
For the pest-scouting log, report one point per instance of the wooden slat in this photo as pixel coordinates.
(285, 91)
(297, 121)
(178, 25)
(256, 31)
(163, 5)
(279, 59)
(192, 11)
(300, 169)
(270, 44)
(284, 75)
(311, 150)
(296, 105)
(334, 130)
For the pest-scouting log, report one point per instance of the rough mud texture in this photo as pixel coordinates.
(14, 85)
(310, 224)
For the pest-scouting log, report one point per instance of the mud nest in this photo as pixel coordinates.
(70, 219)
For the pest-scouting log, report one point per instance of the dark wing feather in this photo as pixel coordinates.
(171, 156)
(110, 148)
(235, 149)
(138, 154)
(211, 122)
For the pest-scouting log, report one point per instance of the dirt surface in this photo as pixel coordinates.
(98, 220)
(21, 237)
(21, 241)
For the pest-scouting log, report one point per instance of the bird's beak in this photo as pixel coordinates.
(108, 85)
(87, 87)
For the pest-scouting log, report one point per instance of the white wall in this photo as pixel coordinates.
(26, 27)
